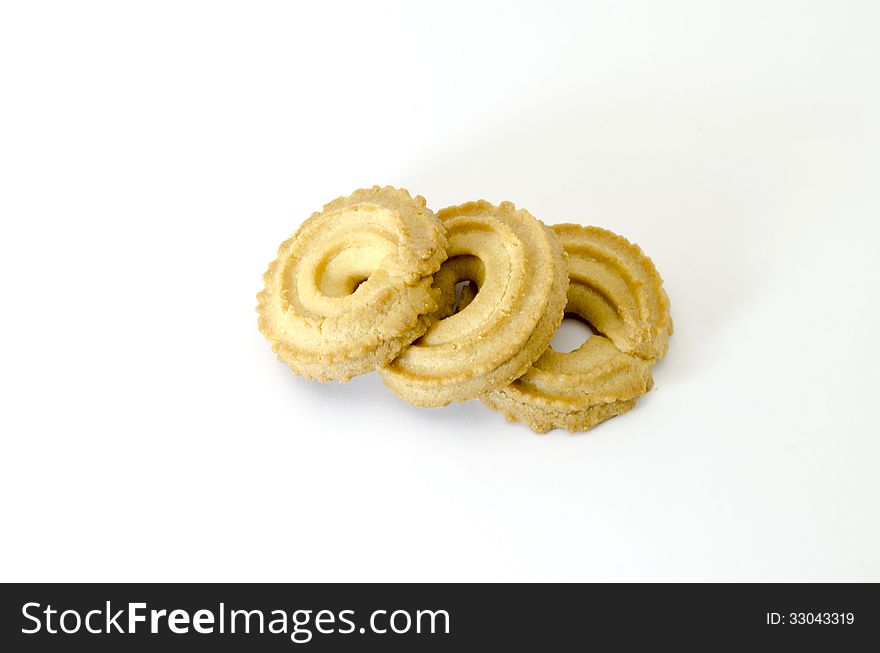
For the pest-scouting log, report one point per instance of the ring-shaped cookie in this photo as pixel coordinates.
(518, 266)
(617, 290)
(352, 286)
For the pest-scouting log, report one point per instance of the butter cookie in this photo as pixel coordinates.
(617, 290)
(352, 287)
(512, 304)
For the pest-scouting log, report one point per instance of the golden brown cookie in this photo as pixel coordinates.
(516, 275)
(352, 287)
(615, 288)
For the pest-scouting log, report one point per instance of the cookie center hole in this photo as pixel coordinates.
(357, 284)
(465, 291)
(571, 334)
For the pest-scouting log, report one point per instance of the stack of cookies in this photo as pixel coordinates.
(463, 304)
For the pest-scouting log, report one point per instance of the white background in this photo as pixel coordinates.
(153, 156)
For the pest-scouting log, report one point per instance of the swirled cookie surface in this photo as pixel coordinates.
(352, 287)
(515, 269)
(616, 288)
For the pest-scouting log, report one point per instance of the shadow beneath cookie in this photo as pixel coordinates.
(367, 394)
